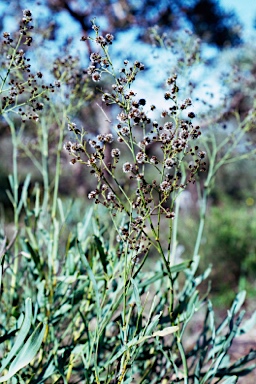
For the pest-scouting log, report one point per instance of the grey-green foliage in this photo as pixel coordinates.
(87, 303)
(106, 314)
(22, 353)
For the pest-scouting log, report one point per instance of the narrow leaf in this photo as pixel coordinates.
(23, 199)
(231, 380)
(166, 331)
(248, 324)
(21, 335)
(103, 255)
(82, 228)
(180, 267)
(27, 353)
(92, 278)
(137, 295)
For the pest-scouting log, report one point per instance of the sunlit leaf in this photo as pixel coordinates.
(27, 352)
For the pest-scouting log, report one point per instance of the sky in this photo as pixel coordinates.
(246, 11)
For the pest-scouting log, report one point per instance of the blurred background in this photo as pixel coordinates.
(219, 37)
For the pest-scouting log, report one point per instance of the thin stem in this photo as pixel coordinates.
(14, 187)
(11, 63)
(174, 227)
(58, 169)
(184, 360)
(45, 163)
(203, 203)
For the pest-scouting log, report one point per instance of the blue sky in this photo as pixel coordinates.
(245, 9)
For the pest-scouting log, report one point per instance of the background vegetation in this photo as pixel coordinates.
(108, 292)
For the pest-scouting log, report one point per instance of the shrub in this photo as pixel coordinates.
(103, 317)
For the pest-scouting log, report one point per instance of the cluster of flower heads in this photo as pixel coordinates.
(22, 90)
(67, 69)
(139, 166)
(100, 61)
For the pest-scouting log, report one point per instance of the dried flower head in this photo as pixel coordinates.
(127, 167)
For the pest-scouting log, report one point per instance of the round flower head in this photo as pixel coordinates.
(140, 157)
(127, 167)
(115, 152)
(165, 186)
(96, 76)
(169, 163)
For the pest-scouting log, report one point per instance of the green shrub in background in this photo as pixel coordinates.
(228, 244)
(98, 315)
(233, 244)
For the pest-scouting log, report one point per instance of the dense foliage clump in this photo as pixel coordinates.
(97, 308)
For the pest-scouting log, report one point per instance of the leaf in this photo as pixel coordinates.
(151, 280)
(10, 197)
(180, 267)
(137, 341)
(23, 198)
(243, 360)
(70, 263)
(103, 255)
(211, 372)
(2, 249)
(27, 352)
(231, 380)
(63, 310)
(11, 181)
(154, 322)
(34, 254)
(61, 210)
(137, 295)
(37, 208)
(21, 335)
(91, 277)
(82, 228)
(248, 324)
(238, 302)
(50, 370)
(166, 331)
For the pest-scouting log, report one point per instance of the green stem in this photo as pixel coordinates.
(203, 203)
(11, 63)
(184, 360)
(57, 169)
(45, 164)
(14, 187)
(174, 227)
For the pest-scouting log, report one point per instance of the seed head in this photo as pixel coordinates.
(127, 167)
(115, 153)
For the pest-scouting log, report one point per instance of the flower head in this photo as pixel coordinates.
(127, 167)
(96, 76)
(140, 157)
(115, 153)
(165, 186)
(169, 163)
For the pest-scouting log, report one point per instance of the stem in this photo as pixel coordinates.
(173, 234)
(206, 191)
(11, 62)
(45, 164)
(57, 169)
(201, 223)
(14, 188)
(174, 228)
(184, 360)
